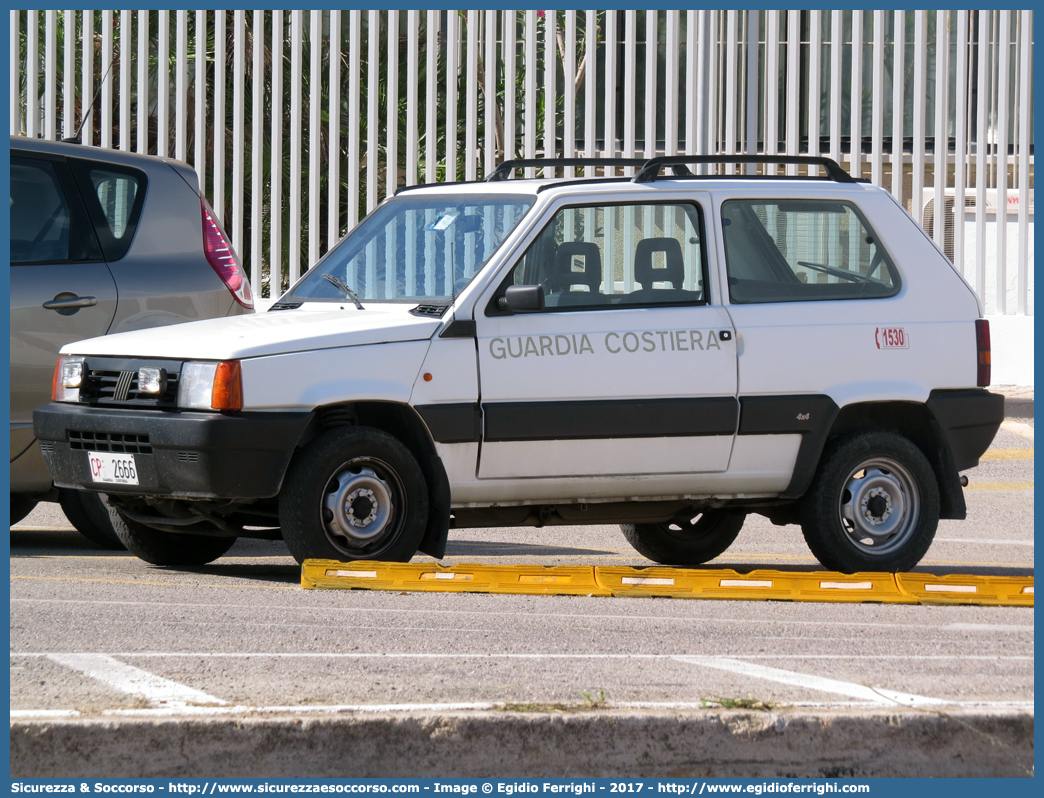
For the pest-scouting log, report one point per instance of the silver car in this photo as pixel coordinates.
(101, 242)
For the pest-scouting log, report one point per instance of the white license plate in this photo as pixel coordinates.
(113, 468)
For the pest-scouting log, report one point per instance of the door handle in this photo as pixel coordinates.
(71, 302)
(725, 335)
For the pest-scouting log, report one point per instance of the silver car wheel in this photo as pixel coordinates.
(879, 506)
(360, 503)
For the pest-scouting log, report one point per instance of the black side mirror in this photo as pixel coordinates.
(522, 299)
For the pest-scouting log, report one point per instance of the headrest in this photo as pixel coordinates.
(674, 270)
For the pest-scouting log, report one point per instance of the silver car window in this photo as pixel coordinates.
(40, 217)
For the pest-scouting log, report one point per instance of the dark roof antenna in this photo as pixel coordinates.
(76, 138)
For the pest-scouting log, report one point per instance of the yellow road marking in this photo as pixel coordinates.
(1008, 454)
(995, 486)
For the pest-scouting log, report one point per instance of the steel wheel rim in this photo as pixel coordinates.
(362, 507)
(879, 506)
(696, 527)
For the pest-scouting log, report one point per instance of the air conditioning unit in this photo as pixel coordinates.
(968, 217)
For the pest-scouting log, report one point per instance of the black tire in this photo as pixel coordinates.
(354, 493)
(686, 542)
(21, 506)
(90, 515)
(167, 548)
(873, 505)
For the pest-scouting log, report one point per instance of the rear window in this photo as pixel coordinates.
(803, 250)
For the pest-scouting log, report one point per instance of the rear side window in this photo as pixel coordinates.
(116, 192)
(114, 195)
(608, 256)
(802, 250)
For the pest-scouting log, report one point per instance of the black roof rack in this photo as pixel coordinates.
(651, 169)
(504, 170)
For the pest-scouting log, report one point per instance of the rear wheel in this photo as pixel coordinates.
(354, 493)
(688, 541)
(90, 515)
(167, 548)
(21, 506)
(873, 505)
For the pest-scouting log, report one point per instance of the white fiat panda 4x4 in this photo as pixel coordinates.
(668, 353)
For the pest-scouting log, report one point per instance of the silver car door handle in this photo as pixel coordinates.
(71, 302)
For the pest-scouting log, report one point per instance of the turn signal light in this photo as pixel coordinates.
(228, 387)
(982, 345)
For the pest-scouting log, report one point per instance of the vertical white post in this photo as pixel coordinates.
(815, 54)
(431, 105)
(698, 138)
(296, 101)
(86, 77)
(51, 70)
(510, 73)
(181, 87)
(199, 160)
(835, 85)
(529, 142)
(961, 144)
(162, 88)
(1003, 100)
(981, 143)
(333, 143)
(649, 101)
(373, 66)
(238, 103)
(275, 213)
(630, 70)
(731, 86)
(1025, 195)
(793, 86)
(107, 57)
(16, 78)
(257, 147)
(391, 143)
(942, 118)
(68, 74)
(32, 71)
(856, 97)
(671, 88)
(143, 86)
(126, 48)
(609, 148)
(772, 88)
(918, 103)
(412, 46)
(752, 87)
(354, 109)
(550, 93)
(590, 90)
(219, 114)
(569, 92)
(315, 85)
(877, 102)
(898, 104)
(489, 93)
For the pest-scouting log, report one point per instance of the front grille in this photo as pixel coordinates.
(188, 457)
(114, 381)
(47, 446)
(125, 442)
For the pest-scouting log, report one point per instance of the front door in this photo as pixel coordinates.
(628, 370)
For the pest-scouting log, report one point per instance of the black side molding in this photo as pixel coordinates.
(810, 416)
(453, 423)
(459, 328)
(628, 418)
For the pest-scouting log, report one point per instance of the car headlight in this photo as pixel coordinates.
(69, 374)
(211, 386)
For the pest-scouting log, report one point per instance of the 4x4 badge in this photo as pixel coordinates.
(803, 416)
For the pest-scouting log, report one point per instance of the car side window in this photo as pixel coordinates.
(802, 250)
(40, 215)
(609, 256)
(116, 192)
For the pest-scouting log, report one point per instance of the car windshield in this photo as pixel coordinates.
(415, 249)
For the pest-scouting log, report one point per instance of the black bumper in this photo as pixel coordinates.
(185, 454)
(969, 419)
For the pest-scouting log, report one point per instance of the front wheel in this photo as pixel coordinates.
(21, 506)
(354, 493)
(687, 541)
(873, 505)
(89, 513)
(167, 548)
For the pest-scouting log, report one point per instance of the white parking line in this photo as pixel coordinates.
(991, 541)
(1019, 428)
(134, 681)
(808, 681)
(501, 655)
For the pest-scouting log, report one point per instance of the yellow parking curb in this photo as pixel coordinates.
(705, 583)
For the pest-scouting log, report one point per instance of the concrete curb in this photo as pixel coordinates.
(614, 743)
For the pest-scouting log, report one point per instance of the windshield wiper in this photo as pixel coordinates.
(341, 285)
